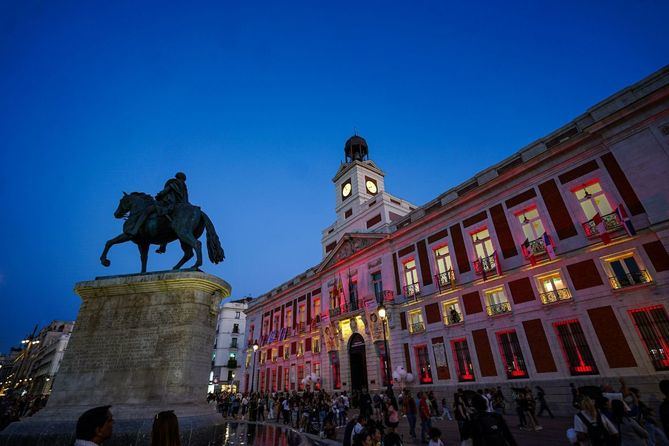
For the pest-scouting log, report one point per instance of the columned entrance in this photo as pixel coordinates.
(357, 361)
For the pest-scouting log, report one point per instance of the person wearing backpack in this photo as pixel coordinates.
(592, 428)
(486, 428)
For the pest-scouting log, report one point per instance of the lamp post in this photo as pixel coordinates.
(389, 390)
(253, 370)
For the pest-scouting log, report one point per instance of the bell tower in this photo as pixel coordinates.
(361, 202)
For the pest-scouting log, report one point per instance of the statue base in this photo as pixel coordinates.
(142, 344)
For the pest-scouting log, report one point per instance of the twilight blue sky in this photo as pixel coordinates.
(254, 100)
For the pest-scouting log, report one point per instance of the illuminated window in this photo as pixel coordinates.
(497, 302)
(624, 271)
(317, 371)
(377, 285)
(533, 228)
(411, 288)
(463, 360)
(512, 356)
(452, 313)
(286, 379)
(482, 243)
(300, 377)
(575, 348)
(288, 319)
(653, 327)
(273, 380)
(233, 355)
(552, 288)
(316, 344)
(445, 275)
(300, 348)
(416, 321)
(592, 199)
(424, 368)
(315, 308)
(286, 351)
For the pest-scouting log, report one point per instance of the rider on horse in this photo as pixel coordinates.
(174, 193)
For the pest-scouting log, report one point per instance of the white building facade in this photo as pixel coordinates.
(228, 346)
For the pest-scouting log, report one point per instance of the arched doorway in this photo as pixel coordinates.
(357, 361)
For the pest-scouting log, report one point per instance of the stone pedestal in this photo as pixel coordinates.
(141, 343)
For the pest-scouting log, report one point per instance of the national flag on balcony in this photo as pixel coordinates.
(498, 267)
(550, 245)
(527, 253)
(601, 229)
(625, 220)
(479, 268)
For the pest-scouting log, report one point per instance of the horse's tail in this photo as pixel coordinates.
(214, 248)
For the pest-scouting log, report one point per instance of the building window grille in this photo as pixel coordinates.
(625, 272)
(512, 355)
(445, 276)
(452, 313)
(416, 321)
(463, 360)
(424, 367)
(552, 289)
(575, 348)
(497, 302)
(653, 327)
(412, 288)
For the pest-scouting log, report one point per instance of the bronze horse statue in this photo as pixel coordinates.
(185, 223)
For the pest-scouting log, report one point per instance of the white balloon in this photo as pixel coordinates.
(396, 376)
(403, 373)
(409, 377)
(314, 377)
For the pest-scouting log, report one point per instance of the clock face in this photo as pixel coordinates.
(346, 190)
(371, 187)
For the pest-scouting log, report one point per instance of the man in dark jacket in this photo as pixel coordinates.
(487, 428)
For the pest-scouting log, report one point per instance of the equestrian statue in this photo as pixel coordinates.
(160, 221)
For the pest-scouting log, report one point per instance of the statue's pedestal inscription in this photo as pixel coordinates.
(141, 343)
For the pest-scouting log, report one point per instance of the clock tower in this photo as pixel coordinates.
(361, 203)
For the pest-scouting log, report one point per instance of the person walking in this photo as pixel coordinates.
(630, 432)
(410, 410)
(425, 418)
(592, 428)
(461, 411)
(444, 410)
(541, 397)
(487, 428)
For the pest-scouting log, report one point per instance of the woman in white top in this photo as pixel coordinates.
(593, 428)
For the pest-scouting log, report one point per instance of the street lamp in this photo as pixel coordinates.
(253, 370)
(381, 310)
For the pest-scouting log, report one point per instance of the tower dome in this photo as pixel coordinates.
(355, 149)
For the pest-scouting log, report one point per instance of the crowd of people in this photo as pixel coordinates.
(604, 416)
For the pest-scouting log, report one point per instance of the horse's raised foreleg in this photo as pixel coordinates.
(115, 241)
(143, 254)
(188, 254)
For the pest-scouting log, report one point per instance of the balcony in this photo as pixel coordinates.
(453, 317)
(232, 364)
(497, 309)
(417, 327)
(301, 327)
(412, 291)
(445, 280)
(550, 297)
(630, 279)
(485, 266)
(611, 224)
(348, 307)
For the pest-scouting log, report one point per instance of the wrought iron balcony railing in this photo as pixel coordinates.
(630, 279)
(550, 297)
(610, 221)
(500, 308)
(445, 280)
(453, 317)
(537, 247)
(384, 296)
(348, 307)
(417, 327)
(412, 291)
(485, 264)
